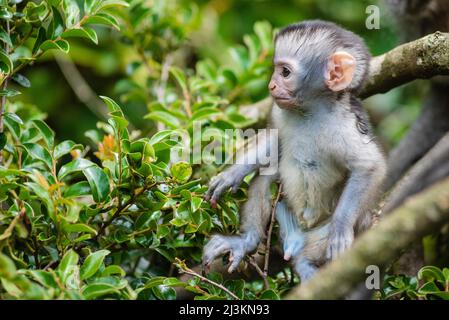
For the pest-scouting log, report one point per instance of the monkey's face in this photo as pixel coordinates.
(283, 85)
(313, 61)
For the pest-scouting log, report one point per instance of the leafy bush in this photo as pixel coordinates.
(431, 283)
(81, 225)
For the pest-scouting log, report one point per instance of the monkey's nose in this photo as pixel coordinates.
(271, 86)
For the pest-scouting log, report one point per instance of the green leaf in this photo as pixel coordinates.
(230, 76)
(45, 278)
(7, 267)
(35, 12)
(79, 227)
(269, 295)
(103, 19)
(99, 183)
(173, 282)
(66, 147)
(431, 273)
(111, 104)
(67, 264)
(13, 122)
(161, 135)
(2, 140)
(38, 152)
(11, 288)
(84, 32)
(5, 63)
(40, 39)
(47, 133)
(96, 290)
(180, 77)
(181, 171)
(62, 45)
(44, 197)
(92, 263)
(205, 113)
(111, 270)
(112, 3)
(165, 118)
(164, 292)
(9, 93)
(79, 189)
(73, 166)
(22, 80)
(264, 32)
(10, 172)
(72, 13)
(4, 36)
(90, 5)
(56, 26)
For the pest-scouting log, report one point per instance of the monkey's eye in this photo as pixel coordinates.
(285, 72)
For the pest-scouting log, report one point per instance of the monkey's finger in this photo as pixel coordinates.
(213, 252)
(236, 259)
(216, 248)
(235, 188)
(218, 191)
(211, 188)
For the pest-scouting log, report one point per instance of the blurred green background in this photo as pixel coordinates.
(220, 24)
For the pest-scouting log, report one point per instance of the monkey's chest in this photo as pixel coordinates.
(312, 181)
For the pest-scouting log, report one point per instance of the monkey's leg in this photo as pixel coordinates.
(255, 215)
(294, 242)
(305, 268)
(292, 237)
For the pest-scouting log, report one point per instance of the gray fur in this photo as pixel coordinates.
(329, 165)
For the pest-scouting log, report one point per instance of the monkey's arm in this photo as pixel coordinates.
(367, 170)
(248, 159)
(255, 215)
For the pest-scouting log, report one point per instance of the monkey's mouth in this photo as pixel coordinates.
(285, 102)
(282, 99)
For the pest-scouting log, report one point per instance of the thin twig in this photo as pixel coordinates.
(253, 262)
(189, 271)
(8, 232)
(270, 231)
(4, 87)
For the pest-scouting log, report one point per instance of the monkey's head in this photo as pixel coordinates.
(315, 60)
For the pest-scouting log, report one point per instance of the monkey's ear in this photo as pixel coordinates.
(340, 71)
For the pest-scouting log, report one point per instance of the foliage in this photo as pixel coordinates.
(123, 217)
(77, 225)
(431, 283)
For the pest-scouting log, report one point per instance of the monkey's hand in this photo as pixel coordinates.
(340, 239)
(230, 178)
(236, 246)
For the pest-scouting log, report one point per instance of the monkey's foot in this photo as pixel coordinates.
(305, 269)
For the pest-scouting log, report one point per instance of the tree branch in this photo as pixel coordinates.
(420, 215)
(433, 167)
(420, 59)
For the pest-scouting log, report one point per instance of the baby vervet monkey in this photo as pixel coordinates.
(330, 167)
